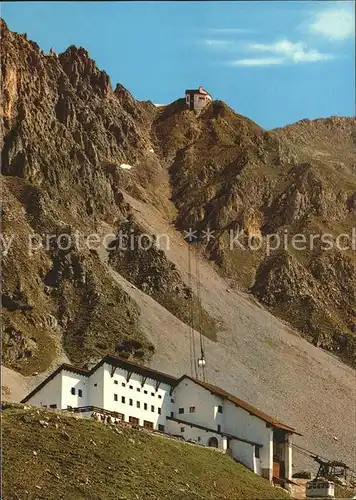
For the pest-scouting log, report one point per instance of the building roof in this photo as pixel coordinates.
(200, 90)
(136, 368)
(208, 429)
(242, 404)
(67, 367)
(112, 360)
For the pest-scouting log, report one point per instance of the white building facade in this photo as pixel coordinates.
(191, 409)
(197, 98)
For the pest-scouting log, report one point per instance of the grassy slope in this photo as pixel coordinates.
(93, 461)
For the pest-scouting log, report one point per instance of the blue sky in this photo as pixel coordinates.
(275, 62)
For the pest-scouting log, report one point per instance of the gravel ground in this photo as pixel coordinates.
(257, 357)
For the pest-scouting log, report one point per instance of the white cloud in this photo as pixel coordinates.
(282, 52)
(334, 23)
(291, 52)
(217, 43)
(264, 61)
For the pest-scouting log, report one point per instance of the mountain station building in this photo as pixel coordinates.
(197, 99)
(186, 407)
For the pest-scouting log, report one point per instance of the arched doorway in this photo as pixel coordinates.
(213, 442)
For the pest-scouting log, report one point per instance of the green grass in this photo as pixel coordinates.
(92, 461)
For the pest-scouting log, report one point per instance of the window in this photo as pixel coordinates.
(159, 396)
(116, 382)
(138, 389)
(181, 410)
(72, 391)
(145, 406)
(161, 427)
(172, 400)
(182, 429)
(172, 414)
(133, 420)
(145, 392)
(53, 406)
(137, 404)
(130, 387)
(257, 451)
(80, 393)
(95, 385)
(199, 439)
(159, 411)
(201, 98)
(219, 428)
(147, 424)
(115, 397)
(130, 402)
(152, 408)
(220, 409)
(192, 409)
(152, 393)
(123, 384)
(122, 399)
(120, 416)
(68, 407)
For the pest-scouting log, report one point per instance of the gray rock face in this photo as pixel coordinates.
(77, 155)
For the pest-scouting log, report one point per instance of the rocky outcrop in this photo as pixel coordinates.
(319, 299)
(230, 176)
(65, 133)
(72, 146)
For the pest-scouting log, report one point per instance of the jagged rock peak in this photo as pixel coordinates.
(80, 68)
(77, 52)
(11, 36)
(3, 25)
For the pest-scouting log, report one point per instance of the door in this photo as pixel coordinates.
(213, 442)
(276, 469)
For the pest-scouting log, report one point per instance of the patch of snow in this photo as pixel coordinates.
(125, 166)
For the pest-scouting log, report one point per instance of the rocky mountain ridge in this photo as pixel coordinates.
(66, 133)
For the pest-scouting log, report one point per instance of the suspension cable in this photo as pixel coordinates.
(200, 312)
(193, 361)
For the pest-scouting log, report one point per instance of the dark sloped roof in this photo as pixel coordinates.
(242, 404)
(114, 361)
(221, 433)
(69, 368)
(136, 368)
(199, 90)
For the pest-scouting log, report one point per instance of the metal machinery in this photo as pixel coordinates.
(320, 488)
(329, 472)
